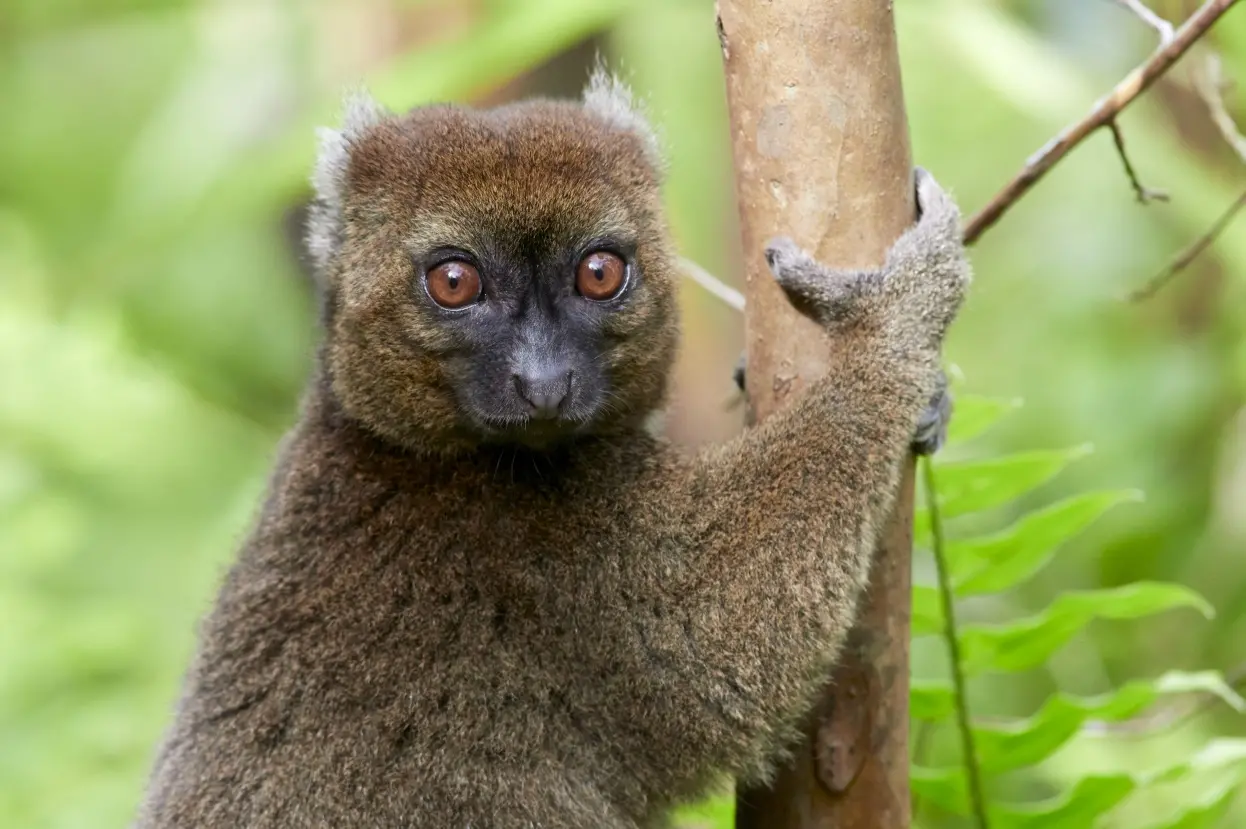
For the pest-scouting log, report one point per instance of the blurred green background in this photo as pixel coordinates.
(156, 324)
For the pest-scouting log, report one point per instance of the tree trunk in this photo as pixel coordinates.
(822, 155)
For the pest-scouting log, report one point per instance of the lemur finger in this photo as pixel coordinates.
(929, 256)
(931, 432)
(786, 258)
(938, 230)
(824, 294)
(935, 207)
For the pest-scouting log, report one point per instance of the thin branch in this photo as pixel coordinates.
(1183, 259)
(711, 283)
(1161, 26)
(1145, 194)
(1210, 84)
(973, 773)
(1103, 112)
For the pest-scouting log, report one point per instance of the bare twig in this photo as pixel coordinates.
(1210, 84)
(1183, 259)
(711, 283)
(1145, 194)
(1161, 26)
(1103, 112)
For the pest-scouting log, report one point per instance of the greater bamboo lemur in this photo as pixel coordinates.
(481, 593)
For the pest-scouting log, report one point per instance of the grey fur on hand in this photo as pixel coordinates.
(910, 300)
(915, 294)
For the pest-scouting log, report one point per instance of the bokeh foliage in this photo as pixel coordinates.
(155, 327)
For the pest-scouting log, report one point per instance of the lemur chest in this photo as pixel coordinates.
(458, 649)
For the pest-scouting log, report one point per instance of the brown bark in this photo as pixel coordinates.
(822, 155)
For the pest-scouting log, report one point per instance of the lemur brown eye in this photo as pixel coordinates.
(453, 284)
(600, 275)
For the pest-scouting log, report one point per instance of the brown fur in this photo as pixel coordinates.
(424, 631)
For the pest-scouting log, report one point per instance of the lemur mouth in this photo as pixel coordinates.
(532, 432)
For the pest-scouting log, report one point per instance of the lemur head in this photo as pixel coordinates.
(495, 276)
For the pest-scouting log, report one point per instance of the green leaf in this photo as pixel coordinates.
(931, 700)
(941, 787)
(973, 486)
(1217, 754)
(1027, 643)
(1206, 811)
(996, 563)
(1079, 808)
(1024, 743)
(972, 415)
(1207, 682)
(927, 611)
(1020, 743)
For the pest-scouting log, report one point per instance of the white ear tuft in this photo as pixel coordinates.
(612, 100)
(360, 112)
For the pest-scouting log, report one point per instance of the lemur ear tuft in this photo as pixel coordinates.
(360, 113)
(612, 100)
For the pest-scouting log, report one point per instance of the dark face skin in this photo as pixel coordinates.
(515, 290)
(529, 363)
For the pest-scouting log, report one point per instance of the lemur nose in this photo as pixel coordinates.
(545, 388)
